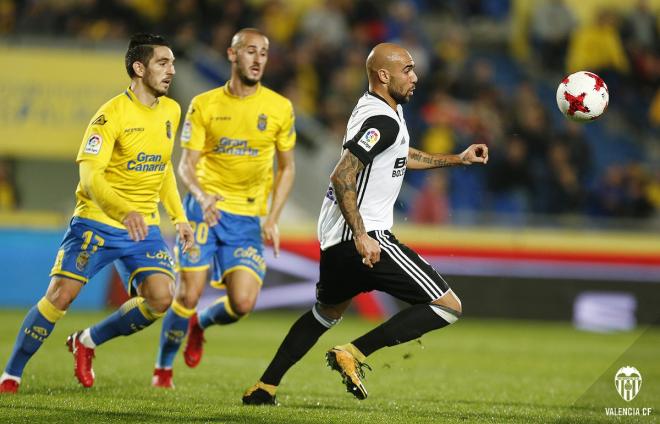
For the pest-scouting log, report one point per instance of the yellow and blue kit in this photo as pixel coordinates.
(237, 138)
(125, 165)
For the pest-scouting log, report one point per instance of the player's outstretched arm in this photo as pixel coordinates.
(187, 167)
(476, 153)
(344, 181)
(286, 172)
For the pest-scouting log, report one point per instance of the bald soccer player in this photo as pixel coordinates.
(358, 251)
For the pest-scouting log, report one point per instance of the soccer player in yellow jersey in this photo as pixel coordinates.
(125, 169)
(230, 137)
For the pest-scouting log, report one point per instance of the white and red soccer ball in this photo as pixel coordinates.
(582, 96)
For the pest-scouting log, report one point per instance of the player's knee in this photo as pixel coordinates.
(326, 315)
(188, 300)
(451, 302)
(160, 303)
(242, 305)
(61, 294)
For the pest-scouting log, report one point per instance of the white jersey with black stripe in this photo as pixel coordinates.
(377, 135)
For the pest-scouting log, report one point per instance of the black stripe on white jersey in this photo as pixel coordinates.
(409, 267)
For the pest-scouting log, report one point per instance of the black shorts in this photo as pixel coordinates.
(400, 272)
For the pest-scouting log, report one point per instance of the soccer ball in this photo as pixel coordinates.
(582, 96)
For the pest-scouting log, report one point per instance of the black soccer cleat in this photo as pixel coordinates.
(351, 371)
(260, 394)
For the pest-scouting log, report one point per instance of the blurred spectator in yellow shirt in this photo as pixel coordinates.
(597, 46)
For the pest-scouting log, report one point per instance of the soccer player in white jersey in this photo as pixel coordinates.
(358, 251)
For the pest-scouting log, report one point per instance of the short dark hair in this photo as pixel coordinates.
(141, 48)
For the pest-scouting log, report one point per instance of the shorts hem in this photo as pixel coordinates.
(218, 284)
(70, 275)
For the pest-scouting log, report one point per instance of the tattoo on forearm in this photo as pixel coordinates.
(428, 159)
(344, 181)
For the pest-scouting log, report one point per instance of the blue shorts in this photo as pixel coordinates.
(233, 243)
(89, 245)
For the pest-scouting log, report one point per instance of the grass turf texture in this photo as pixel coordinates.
(474, 371)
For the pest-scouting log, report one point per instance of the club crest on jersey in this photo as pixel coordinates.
(168, 129)
(262, 122)
(369, 139)
(93, 145)
(82, 260)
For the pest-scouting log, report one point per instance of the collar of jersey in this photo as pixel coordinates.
(229, 93)
(371, 93)
(131, 95)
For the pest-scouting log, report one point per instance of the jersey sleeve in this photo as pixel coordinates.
(100, 136)
(376, 134)
(286, 137)
(193, 133)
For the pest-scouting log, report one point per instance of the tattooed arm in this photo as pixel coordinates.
(476, 153)
(344, 181)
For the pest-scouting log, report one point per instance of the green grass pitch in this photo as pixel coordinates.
(491, 371)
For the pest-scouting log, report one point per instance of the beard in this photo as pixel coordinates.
(246, 80)
(398, 97)
(244, 77)
(152, 85)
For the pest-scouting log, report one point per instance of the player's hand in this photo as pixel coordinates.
(476, 153)
(136, 226)
(368, 248)
(207, 203)
(186, 235)
(270, 233)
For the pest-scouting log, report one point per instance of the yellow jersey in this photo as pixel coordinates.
(237, 138)
(132, 144)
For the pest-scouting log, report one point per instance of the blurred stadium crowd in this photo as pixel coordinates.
(488, 73)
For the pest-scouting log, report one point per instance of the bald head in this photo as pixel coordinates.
(240, 38)
(386, 56)
(390, 70)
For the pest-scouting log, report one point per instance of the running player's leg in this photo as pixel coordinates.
(242, 289)
(82, 253)
(338, 283)
(147, 269)
(302, 336)
(37, 326)
(405, 275)
(154, 295)
(241, 268)
(194, 268)
(175, 324)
